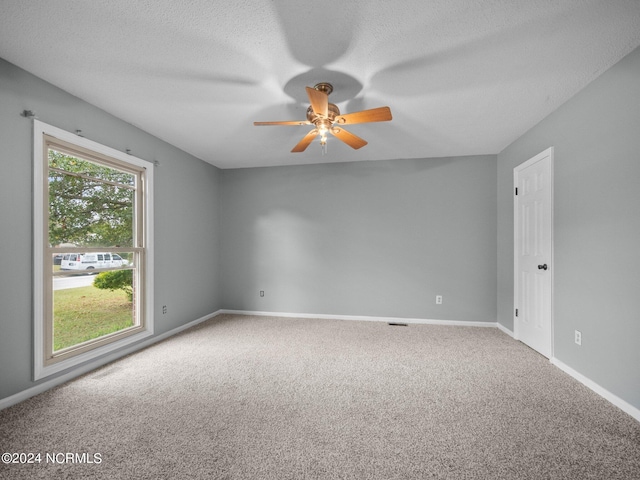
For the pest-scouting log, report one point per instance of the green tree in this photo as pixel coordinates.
(89, 204)
(116, 280)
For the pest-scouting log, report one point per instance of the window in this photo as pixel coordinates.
(92, 251)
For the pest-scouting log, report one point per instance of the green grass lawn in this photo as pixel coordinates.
(85, 313)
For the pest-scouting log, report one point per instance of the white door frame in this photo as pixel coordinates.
(549, 152)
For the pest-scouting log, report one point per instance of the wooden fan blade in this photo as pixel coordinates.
(306, 140)
(349, 138)
(381, 114)
(319, 101)
(299, 122)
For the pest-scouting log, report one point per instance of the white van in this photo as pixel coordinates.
(90, 261)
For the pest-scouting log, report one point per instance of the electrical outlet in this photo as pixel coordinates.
(578, 337)
(438, 299)
(262, 293)
(164, 309)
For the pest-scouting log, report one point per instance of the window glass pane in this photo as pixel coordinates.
(90, 205)
(88, 306)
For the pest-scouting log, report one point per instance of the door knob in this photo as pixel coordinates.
(542, 267)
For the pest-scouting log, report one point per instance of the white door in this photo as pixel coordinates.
(533, 221)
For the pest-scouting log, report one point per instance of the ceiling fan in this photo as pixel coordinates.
(326, 118)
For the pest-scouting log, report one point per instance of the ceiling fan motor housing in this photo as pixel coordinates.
(332, 112)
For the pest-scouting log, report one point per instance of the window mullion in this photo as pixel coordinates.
(54, 250)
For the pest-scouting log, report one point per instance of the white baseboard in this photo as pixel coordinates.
(425, 321)
(504, 329)
(98, 362)
(606, 394)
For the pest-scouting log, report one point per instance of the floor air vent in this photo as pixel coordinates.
(394, 324)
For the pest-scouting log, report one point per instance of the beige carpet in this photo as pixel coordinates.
(276, 398)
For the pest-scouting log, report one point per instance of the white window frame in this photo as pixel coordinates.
(41, 367)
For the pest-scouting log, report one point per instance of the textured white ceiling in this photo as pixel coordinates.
(462, 77)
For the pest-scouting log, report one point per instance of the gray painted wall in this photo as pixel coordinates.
(186, 233)
(596, 136)
(363, 238)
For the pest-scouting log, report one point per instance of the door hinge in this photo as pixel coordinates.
(516, 312)
(516, 190)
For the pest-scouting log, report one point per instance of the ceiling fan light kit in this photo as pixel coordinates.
(326, 118)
